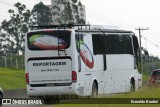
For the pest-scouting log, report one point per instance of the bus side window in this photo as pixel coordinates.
(137, 53)
(112, 44)
(118, 44)
(128, 48)
(98, 43)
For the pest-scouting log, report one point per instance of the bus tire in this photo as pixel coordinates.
(132, 85)
(51, 100)
(1, 97)
(94, 90)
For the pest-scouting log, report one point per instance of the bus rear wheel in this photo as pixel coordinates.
(51, 100)
(94, 90)
(1, 97)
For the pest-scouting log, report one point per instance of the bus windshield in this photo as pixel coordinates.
(48, 40)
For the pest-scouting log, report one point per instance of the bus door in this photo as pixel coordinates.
(86, 59)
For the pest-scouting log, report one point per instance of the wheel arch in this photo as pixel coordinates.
(96, 82)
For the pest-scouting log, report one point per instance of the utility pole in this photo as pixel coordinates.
(140, 36)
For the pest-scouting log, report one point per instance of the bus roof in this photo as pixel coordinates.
(80, 28)
(105, 31)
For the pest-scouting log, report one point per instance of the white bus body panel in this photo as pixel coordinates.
(49, 71)
(52, 90)
(115, 79)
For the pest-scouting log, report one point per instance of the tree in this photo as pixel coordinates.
(1, 43)
(74, 1)
(68, 16)
(56, 11)
(79, 3)
(6, 45)
(75, 10)
(17, 26)
(41, 14)
(70, 13)
(81, 21)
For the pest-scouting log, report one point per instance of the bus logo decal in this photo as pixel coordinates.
(49, 64)
(86, 55)
(47, 42)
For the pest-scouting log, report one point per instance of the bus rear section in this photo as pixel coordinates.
(49, 63)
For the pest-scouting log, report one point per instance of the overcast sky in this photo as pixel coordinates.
(127, 14)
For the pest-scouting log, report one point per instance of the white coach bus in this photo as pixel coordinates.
(64, 60)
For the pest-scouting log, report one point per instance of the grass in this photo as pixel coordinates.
(12, 79)
(145, 78)
(109, 105)
(145, 93)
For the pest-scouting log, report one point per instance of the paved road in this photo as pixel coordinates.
(17, 93)
(21, 93)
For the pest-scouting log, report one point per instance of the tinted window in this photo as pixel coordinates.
(158, 73)
(98, 43)
(48, 40)
(112, 44)
(127, 43)
(154, 73)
